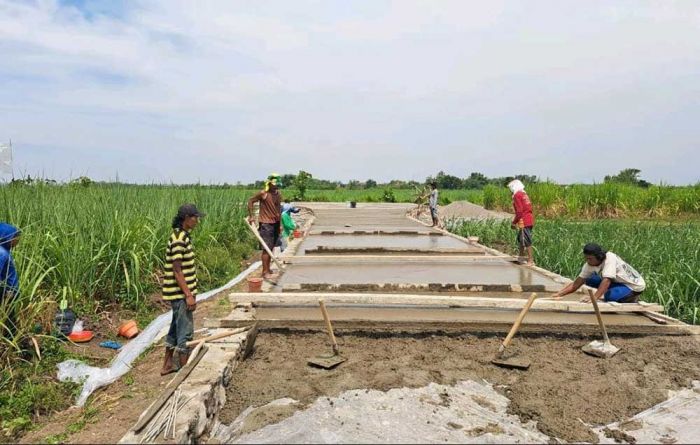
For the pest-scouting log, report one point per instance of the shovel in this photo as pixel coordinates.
(327, 361)
(603, 349)
(514, 362)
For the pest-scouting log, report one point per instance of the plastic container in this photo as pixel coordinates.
(255, 284)
(297, 234)
(128, 329)
(81, 337)
(64, 321)
(353, 204)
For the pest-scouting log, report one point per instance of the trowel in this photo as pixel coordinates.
(603, 349)
(514, 362)
(332, 360)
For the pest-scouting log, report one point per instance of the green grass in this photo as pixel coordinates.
(103, 246)
(601, 200)
(665, 253)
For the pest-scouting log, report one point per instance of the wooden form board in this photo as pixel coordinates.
(311, 298)
(479, 258)
(471, 326)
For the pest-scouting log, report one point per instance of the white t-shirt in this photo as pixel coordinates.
(617, 270)
(433, 199)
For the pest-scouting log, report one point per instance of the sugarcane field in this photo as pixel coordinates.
(349, 222)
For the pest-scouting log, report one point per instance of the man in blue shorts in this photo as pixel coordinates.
(613, 279)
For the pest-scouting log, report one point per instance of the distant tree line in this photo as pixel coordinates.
(303, 181)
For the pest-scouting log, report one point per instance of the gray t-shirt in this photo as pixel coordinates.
(617, 270)
(433, 201)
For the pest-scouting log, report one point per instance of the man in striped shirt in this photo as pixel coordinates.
(180, 286)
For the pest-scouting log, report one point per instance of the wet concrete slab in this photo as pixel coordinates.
(396, 272)
(428, 315)
(373, 229)
(386, 242)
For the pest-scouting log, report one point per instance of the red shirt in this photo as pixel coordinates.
(523, 209)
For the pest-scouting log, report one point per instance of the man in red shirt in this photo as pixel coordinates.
(523, 221)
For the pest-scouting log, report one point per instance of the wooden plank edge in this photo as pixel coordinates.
(475, 326)
(310, 298)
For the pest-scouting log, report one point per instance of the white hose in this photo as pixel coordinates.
(93, 377)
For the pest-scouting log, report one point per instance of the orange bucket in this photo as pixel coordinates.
(128, 329)
(297, 234)
(81, 337)
(255, 284)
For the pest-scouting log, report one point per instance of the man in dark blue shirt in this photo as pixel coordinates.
(9, 281)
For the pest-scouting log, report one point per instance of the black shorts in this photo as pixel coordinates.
(270, 233)
(524, 237)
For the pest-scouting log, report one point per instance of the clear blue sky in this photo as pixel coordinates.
(222, 91)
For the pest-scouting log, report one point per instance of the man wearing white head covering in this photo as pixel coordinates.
(524, 220)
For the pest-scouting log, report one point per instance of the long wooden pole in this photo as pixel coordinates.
(267, 249)
(217, 336)
(598, 316)
(327, 319)
(517, 323)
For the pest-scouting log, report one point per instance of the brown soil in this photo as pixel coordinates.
(112, 410)
(562, 385)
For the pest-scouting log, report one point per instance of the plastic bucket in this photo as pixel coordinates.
(128, 329)
(81, 337)
(297, 234)
(255, 284)
(353, 204)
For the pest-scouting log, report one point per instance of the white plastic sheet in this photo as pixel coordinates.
(5, 158)
(93, 377)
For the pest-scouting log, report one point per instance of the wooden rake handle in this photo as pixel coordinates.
(328, 326)
(518, 321)
(598, 316)
(262, 242)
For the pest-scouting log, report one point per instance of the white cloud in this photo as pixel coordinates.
(353, 89)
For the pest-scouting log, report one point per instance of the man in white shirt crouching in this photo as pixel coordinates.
(613, 279)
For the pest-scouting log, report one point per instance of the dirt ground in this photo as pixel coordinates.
(562, 386)
(112, 410)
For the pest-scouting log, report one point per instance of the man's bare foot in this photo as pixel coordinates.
(167, 371)
(272, 278)
(530, 263)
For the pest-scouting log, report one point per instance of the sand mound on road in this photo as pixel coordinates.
(467, 210)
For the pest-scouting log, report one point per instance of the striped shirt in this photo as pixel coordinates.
(179, 248)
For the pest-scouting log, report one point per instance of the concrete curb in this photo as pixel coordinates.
(205, 389)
